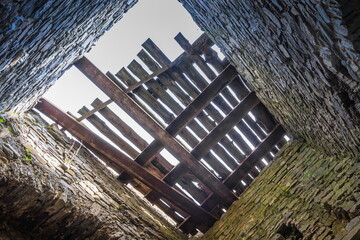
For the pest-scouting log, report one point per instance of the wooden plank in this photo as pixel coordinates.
(211, 57)
(110, 134)
(197, 192)
(216, 165)
(124, 162)
(155, 88)
(248, 133)
(184, 43)
(149, 98)
(156, 73)
(158, 89)
(255, 127)
(170, 83)
(256, 156)
(197, 47)
(188, 226)
(263, 116)
(141, 188)
(174, 174)
(233, 150)
(217, 116)
(219, 132)
(193, 75)
(209, 123)
(163, 165)
(185, 180)
(202, 45)
(156, 53)
(128, 105)
(149, 62)
(233, 180)
(199, 103)
(240, 142)
(239, 88)
(190, 112)
(229, 161)
(194, 51)
(162, 60)
(94, 110)
(249, 121)
(170, 209)
(224, 126)
(120, 125)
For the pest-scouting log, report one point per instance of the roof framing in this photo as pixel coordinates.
(219, 109)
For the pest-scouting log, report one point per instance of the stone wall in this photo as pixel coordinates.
(300, 58)
(304, 194)
(52, 188)
(40, 39)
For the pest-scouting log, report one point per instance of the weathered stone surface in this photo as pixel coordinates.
(52, 188)
(302, 59)
(303, 193)
(40, 39)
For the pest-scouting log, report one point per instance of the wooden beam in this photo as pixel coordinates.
(270, 141)
(129, 106)
(155, 51)
(166, 64)
(100, 125)
(242, 170)
(120, 125)
(94, 110)
(202, 100)
(123, 161)
(189, 113)
(156, 73)
(225, 126)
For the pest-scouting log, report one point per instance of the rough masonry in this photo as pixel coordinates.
(301, 58)
(304, 194)
(39, 40)
(53, 188)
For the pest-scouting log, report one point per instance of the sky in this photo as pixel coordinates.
(160, 20)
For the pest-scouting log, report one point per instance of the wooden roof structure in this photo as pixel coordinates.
(199, 109)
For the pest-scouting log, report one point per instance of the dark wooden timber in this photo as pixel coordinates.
(197, 99)
(130, 134)
(264, 147)
(213, 113)
(242, 171)
(156, 53)
(104, 129)
(120, 125)
(226, 125)
(94, 110)
(124, 162)
(175, 174)
(203, 99)
(156, 87)
(220, 131)
(124, 77)
(124, 101)
(190, 112)
(198, 192)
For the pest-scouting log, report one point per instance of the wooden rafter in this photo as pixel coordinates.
(110, 152)
(124, 101)
(198, 98)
